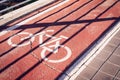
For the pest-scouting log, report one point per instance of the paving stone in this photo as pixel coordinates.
(118, 75)
(114, 41)
(80, 36)
(96, 63)
(117, 51)
(80, 78)
(118, 34)
(109, 48)
(103, 55)
(109, 68)
(115, 60)
(117, 79)
(102, 76)
(88, 72)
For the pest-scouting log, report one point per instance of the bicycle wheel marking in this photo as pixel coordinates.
(68, 55)
(54, 48)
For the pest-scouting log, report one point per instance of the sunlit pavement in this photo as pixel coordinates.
(103, 63)
(46, 43)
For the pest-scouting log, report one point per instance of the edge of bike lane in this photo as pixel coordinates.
(38, 68)
(98, 56)
(24, 11)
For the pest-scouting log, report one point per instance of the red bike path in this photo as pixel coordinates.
(81, 21)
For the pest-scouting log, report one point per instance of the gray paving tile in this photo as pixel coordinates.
(116, 79)
(118, 34)
(114, 41)
(103, 55)
(109, 48)
(88, 72)
(117, 51)
(115, 59)
(102, 76)
(109, 68)
(110, 56)
(118, 75)
(81, 78)
(96, 63)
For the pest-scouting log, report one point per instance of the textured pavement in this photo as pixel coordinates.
(106, 65)
(45, 44)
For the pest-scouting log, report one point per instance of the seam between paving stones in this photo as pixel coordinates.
(33, 54)
(101, 64)
(36, 57)
(99, 59)
(96, 51)
(117, 55)
(104, 63)
(113, 63)
(83, 64)
(116, 74)
(112, 44)
(110, 75)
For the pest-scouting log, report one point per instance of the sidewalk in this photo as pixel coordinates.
(23, 11)
(53, 39)
(105, 65)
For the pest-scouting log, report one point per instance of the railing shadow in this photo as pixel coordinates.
(44, 27)
(56, 23)
(84, 53)
(36, 11)
(66, 22)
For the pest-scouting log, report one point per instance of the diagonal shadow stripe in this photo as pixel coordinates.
(43, 43)
(20, 77)
(47, 25)
(67, 22)
(29, 69)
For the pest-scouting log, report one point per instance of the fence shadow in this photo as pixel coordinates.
(56, 23)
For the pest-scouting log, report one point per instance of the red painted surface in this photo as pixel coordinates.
(73, 21)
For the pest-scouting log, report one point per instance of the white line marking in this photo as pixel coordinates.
(88, 59)
(29, 19)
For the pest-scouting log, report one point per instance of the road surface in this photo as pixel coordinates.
(45, 43)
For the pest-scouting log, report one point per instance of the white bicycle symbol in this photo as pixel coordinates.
(41, 35)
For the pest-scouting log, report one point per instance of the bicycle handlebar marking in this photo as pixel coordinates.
(41, 35)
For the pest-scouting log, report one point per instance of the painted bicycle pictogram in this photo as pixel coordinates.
(54, 48)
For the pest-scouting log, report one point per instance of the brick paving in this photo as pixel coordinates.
(106, 65)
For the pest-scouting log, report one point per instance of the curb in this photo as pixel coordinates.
(93, 53)
(9, 17)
